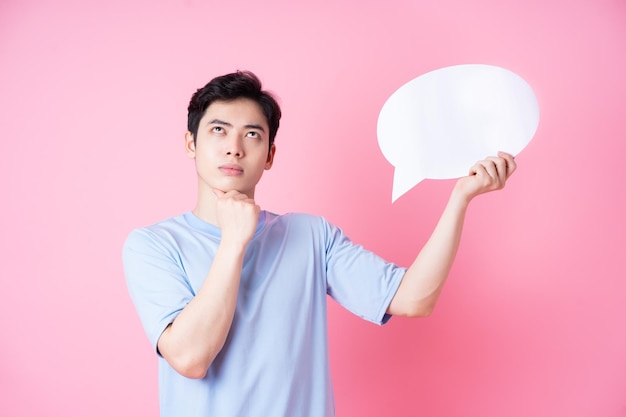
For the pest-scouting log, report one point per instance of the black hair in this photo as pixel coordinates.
(240, 84)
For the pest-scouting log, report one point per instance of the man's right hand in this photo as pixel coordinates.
(237, 216)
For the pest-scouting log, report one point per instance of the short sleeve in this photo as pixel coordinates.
(358, 279)
(156, 281)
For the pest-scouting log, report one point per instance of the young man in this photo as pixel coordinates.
(233, 298)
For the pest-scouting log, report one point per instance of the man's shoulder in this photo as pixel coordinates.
(163, 226)
(171, 229)
(296, 218)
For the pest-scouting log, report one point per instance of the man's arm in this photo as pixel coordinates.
(198, 333)
(423, 281)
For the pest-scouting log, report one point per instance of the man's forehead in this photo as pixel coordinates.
(239, 111)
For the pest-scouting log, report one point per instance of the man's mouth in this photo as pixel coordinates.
(231, 169)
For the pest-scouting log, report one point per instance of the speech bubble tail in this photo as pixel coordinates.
(403, 181)
(395, 196)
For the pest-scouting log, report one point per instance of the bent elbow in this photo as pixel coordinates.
(188, 365)
(419, 309)
(188, 362)
(189, 368)
(194, 372)
(412, 308)
(421, 312)
(425, 311)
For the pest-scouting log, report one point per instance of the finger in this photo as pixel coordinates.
(246, 200)
(491, 169)
(478, 170)
(511, 165)
(234, 194)
(501, 169)
(240, 198)
(218, 193)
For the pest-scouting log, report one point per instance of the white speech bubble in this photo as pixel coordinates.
(440, 123)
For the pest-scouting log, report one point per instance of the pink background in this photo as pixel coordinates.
(92, 114)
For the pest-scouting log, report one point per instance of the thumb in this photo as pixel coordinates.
(218, 193)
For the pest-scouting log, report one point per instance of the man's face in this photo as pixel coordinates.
(231, 147)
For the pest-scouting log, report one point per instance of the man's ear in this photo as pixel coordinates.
(270, 157)
(190, 146)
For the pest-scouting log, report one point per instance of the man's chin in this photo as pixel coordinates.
(225, 190)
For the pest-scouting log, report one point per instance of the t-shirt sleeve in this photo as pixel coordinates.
(156, 281)
(358, 279)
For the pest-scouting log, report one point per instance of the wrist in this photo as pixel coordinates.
(232, 245)
(460, 197)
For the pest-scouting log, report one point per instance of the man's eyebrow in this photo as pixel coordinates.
(258, 127)
(219, 122)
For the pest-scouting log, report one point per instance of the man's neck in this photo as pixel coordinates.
(206, 208)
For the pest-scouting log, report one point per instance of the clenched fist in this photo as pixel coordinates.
(486, 175)
(237, 216)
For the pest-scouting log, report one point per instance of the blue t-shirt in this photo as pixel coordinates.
(275, 360)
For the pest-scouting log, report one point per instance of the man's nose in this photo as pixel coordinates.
(234, 147)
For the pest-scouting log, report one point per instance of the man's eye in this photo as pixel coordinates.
(253, 135)
(217, 129)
